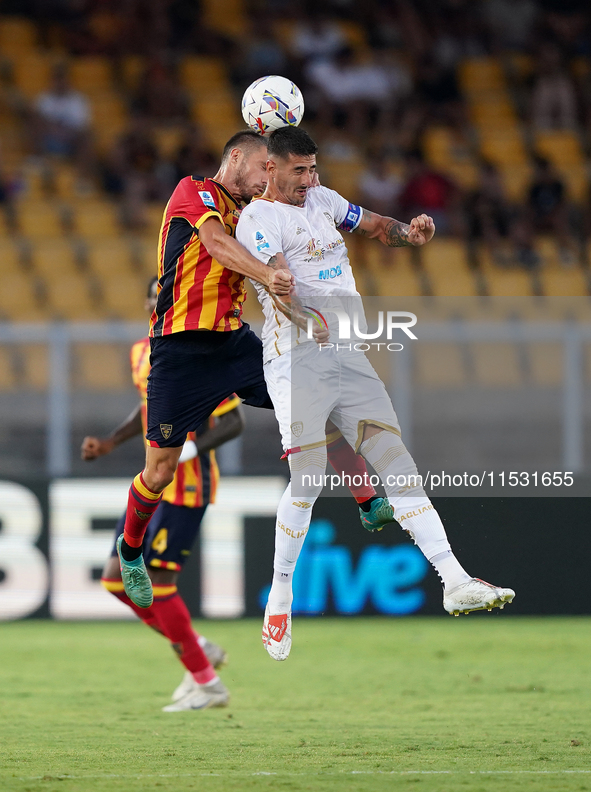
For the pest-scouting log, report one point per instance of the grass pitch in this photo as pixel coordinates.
(489, 702)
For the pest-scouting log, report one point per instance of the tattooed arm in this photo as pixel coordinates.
(393, 233)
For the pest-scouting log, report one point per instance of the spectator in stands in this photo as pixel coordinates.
(62, 121)
(553, 99)
(435, 192)
(159, 96)
(546, 212)
(378, 187)
(135, 172)
(316, 37)
(354, 95)
(194, 157)
(260, 53)
(488, 214)
(511, 22)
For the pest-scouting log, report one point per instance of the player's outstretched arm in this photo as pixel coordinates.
(393, 233)
(94, 447)
(234, 256)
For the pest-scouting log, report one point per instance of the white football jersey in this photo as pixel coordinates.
(309, 237)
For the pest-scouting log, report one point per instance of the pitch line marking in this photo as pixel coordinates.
(139, 777)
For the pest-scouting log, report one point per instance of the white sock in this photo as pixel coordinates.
(293, 520)
(387, 454)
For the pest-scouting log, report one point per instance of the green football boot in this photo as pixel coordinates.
(379, 515)
(136, 581)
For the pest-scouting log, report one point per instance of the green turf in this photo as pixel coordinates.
(489, 702)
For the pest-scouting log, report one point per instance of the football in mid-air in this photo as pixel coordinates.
(271, 103)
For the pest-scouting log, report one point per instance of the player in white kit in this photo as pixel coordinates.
(298, 226)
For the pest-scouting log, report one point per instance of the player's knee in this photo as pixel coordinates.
(160, 476)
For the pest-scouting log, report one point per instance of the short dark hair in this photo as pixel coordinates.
(291, 140)
(245, 140)
(151, 285)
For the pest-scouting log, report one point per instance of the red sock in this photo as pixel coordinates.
(169, 616)
(147, 615)
(347, 463)
(174, 621)
(141, 505)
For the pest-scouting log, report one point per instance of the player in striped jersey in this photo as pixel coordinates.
(172, 533)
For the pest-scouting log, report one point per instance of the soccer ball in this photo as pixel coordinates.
(271, 103)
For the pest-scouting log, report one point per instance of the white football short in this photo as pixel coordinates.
(310, 385)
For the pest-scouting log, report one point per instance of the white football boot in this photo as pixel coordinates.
(476, 595)
(188, 685)
(217, 656)
(205, 697)
(277, 634)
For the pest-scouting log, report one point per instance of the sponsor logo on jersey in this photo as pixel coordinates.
(300, 231)
(207, 199)
(333, 272)
(260, 241)
(302, 504)
(329, 217)
(316, 250)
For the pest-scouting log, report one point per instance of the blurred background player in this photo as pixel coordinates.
(173, 531)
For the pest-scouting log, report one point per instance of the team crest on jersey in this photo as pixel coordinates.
(260, 241)
(297, 428)
(166, 430)
(207, 199)
(315, 253)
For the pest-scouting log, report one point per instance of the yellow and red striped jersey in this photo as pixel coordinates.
(195, 482)
(195, 292)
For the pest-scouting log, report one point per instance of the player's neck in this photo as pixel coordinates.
(223, 177)
(273, 194)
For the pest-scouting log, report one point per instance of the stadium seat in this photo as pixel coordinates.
(18, 299)
(227, 17)
(40, 219)
(109, 257)
(100, 367)
(145, 255)
(202, 75)
(132, 68)
(477, 75)
(17, 35)
(32, 72)
(568, 283)
(33, 363)
(383, 276)
(8, 380)
(561, 147)
(124, 296)
(97, 219)
(545, 363)
(445, 263)
(439, 365)
(69, 298)
(54, 258)
(11, 256)
(496, 365)
(91, 74)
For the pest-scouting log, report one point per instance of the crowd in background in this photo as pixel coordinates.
(379, 104)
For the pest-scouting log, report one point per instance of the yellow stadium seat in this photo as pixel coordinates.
(100, 367)
(8, 379)
(568, 283)
(109, 257)
(228, 17)
(496, 365)
(32, 72)
(168, 140)
(508, 283)
(17, 35)
(69, 298)
(446, 265)
(124, 296)
(10, 257)
(383, 272)
(34, 364)
(545, 362)
(96, 219)
(107, 109)
(481, 74)
(516, 180)
(561, 147)
(40, 219)
(202, 75)
(54, 258)
(91, 74)
(132, 70)
(439, 365)
(18, 299)
(503, 147)
(145, 255)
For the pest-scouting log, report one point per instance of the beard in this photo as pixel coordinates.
(246, 193)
